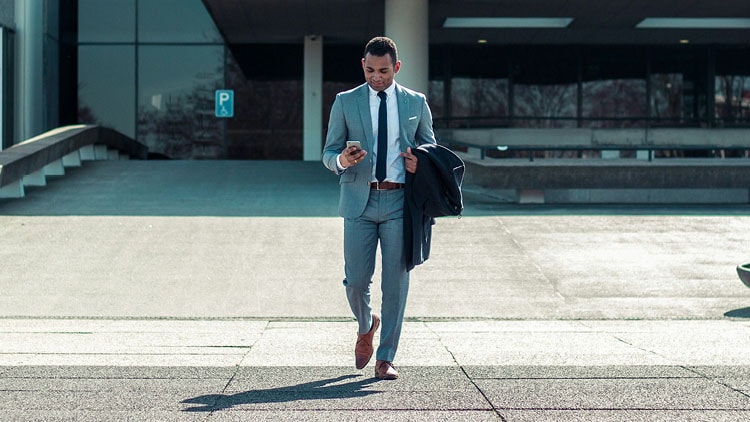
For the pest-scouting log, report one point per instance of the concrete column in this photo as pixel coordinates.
(313, 99)
(29, 69)
(406, 23)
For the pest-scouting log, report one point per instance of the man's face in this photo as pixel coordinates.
(379, 71)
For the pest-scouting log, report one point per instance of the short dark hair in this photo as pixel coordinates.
(380, 46)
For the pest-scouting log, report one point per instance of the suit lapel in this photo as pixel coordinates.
(403, 116)
(363, 104)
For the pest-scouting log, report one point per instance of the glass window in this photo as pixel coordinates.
(52, 19)
(545, 88)
(268, 111)
(436, 98)
(613, 89)
(51, 75)
(678, 87)
(666, 97)
(176, 86)
(479, 102)
(106, 20)
(478, 93)
(176, 21)
(732, 87)
(544, 106)
(106, 81)
(6, 88)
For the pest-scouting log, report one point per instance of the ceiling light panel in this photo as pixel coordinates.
(453, 22)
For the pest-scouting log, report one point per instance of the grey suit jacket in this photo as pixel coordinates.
(350, 121)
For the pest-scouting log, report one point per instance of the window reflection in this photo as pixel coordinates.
(7, 42)
(613, 88)
(678, 89)
(479, 102)
(732, 87)
(436, 98)
(545, 106)
(614, 103)
(666, 98)
(106, 78)
(268, 105)
(175, 21)
(733, 98)
(176, 86)
(106, 20)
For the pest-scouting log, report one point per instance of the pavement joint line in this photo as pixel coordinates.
(468, 377)
(249, 349)
(627, 409)
(555, 286)
(351, 319)
(714, 380)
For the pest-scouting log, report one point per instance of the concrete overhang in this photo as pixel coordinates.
(594, 22)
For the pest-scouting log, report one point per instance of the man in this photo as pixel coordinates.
(387, 120)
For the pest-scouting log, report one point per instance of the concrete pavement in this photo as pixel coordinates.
(198, 290)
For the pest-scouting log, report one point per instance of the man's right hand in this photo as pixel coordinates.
(352, 156)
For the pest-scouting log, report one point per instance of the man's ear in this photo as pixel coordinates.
(395, 68)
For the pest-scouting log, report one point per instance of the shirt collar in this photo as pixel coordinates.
(388, 91)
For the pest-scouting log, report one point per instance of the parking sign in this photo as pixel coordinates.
(224, 103)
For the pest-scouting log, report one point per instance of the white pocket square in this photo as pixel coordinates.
(413, 118)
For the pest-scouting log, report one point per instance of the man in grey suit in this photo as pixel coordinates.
(387, 120)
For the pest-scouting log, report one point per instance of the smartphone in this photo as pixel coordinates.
(355, 144)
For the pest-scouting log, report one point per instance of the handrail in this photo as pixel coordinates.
(28, 159)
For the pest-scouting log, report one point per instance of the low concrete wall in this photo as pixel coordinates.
(633, 138)
(618, 180)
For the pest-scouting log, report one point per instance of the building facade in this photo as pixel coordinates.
(150, 68)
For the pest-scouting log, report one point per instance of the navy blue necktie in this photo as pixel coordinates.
(382, 138)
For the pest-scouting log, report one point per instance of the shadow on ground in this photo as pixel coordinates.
(326, 389)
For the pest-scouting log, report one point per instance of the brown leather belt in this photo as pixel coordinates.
(386, 185)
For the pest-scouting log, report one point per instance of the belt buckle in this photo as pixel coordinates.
(377, 185)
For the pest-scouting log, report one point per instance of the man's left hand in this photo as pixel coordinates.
(410, 161)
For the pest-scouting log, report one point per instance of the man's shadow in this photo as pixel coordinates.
(315, 390)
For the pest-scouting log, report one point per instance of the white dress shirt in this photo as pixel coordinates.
(394, 167)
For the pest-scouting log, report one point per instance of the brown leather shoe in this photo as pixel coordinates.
(385, 370)
(363, 349)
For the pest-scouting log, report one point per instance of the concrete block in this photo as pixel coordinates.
(87, 153)
(13, 190)
(55, 168)
(474, 152)
(530, 196)
(100, 152)
(36, 178)
(72, 160)
(113, 154)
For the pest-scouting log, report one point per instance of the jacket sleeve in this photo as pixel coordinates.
(425, 134)
(336, 136)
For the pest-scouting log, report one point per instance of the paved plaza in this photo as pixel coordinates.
(211, 290)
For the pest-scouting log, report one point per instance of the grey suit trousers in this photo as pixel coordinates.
(381, 223)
